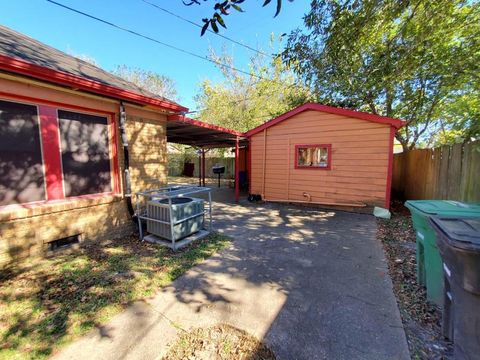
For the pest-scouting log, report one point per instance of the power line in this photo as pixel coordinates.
(218, 63)
(158, 7)
(158, 41)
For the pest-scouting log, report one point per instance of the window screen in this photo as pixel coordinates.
(21, 169)
(85, 153)
(313, 156)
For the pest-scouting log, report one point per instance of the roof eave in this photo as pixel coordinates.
(396, 123)
(203, 124)
(22, 67)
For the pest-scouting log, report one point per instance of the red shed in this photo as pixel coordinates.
(323, 155)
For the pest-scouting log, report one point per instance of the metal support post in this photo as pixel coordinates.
(237, 170)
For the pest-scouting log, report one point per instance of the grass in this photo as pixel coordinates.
(54, 301)
(222, 342)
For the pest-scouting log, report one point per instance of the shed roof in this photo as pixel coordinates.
(396, 123)
(183, 130)
(26, 56)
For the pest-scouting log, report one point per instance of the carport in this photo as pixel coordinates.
(204, 136)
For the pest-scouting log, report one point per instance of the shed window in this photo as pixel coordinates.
(313, 156)
(85, 153)
(21, 168)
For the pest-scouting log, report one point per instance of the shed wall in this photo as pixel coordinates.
(359, 163)
(26, 230)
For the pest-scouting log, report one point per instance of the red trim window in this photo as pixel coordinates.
(84, 144)
(313, 156)
(52, 153)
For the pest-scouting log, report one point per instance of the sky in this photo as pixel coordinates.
(109, 47)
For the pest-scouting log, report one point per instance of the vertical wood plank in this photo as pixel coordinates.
(454, 172)
(429, 164)
(448, 172)
(443, 177)
(470, 185)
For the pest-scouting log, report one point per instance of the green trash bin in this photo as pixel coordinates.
(429, 262)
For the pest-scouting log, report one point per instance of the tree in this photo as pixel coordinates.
(242, 102)
(84, 57)
(416, 60)
(223, 8)
(158, 84)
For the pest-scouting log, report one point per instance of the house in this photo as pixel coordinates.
(76, 143)
(62, 158)
(324, 155)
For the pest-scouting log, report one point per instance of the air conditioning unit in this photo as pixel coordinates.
(187, 217)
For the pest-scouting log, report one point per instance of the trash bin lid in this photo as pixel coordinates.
(444, 207)
(461, 232)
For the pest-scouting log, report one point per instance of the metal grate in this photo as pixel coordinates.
(63, 243)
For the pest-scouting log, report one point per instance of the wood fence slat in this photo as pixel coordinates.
(454, 172)
(436, 172)
(464, 181)
(447, 172)
(471, 173)
(430, 171)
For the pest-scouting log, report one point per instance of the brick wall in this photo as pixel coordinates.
(148, 152)
(26, 232)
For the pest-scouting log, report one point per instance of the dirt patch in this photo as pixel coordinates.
(221, 342)
(421, 320)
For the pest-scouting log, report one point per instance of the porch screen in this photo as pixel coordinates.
(85, 153)
(21, 169)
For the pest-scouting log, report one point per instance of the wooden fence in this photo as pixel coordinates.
(447, 172)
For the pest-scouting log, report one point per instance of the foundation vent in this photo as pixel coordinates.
(64, 243)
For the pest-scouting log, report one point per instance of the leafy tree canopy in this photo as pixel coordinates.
(223, 8)
(158, 84)
(242, 102)
(416, 60)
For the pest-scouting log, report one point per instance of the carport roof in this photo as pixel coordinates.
(186, 131)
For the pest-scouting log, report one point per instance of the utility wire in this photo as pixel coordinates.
(159, 42)
(158, 7)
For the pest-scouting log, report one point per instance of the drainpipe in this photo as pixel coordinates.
(126, 162)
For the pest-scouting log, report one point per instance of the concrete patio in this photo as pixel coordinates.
(313, 284)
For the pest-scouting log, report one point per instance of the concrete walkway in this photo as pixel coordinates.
(312, 283)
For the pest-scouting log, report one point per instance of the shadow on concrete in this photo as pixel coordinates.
(311, 283)
(329, 294)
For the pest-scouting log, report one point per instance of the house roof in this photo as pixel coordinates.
(183, 130)
(396, 123)
(23, 55)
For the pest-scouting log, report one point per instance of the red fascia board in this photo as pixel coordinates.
(77, 82)
(181, 118)
(396, 123)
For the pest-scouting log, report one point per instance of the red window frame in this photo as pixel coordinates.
(51, 149)
(307, 146)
